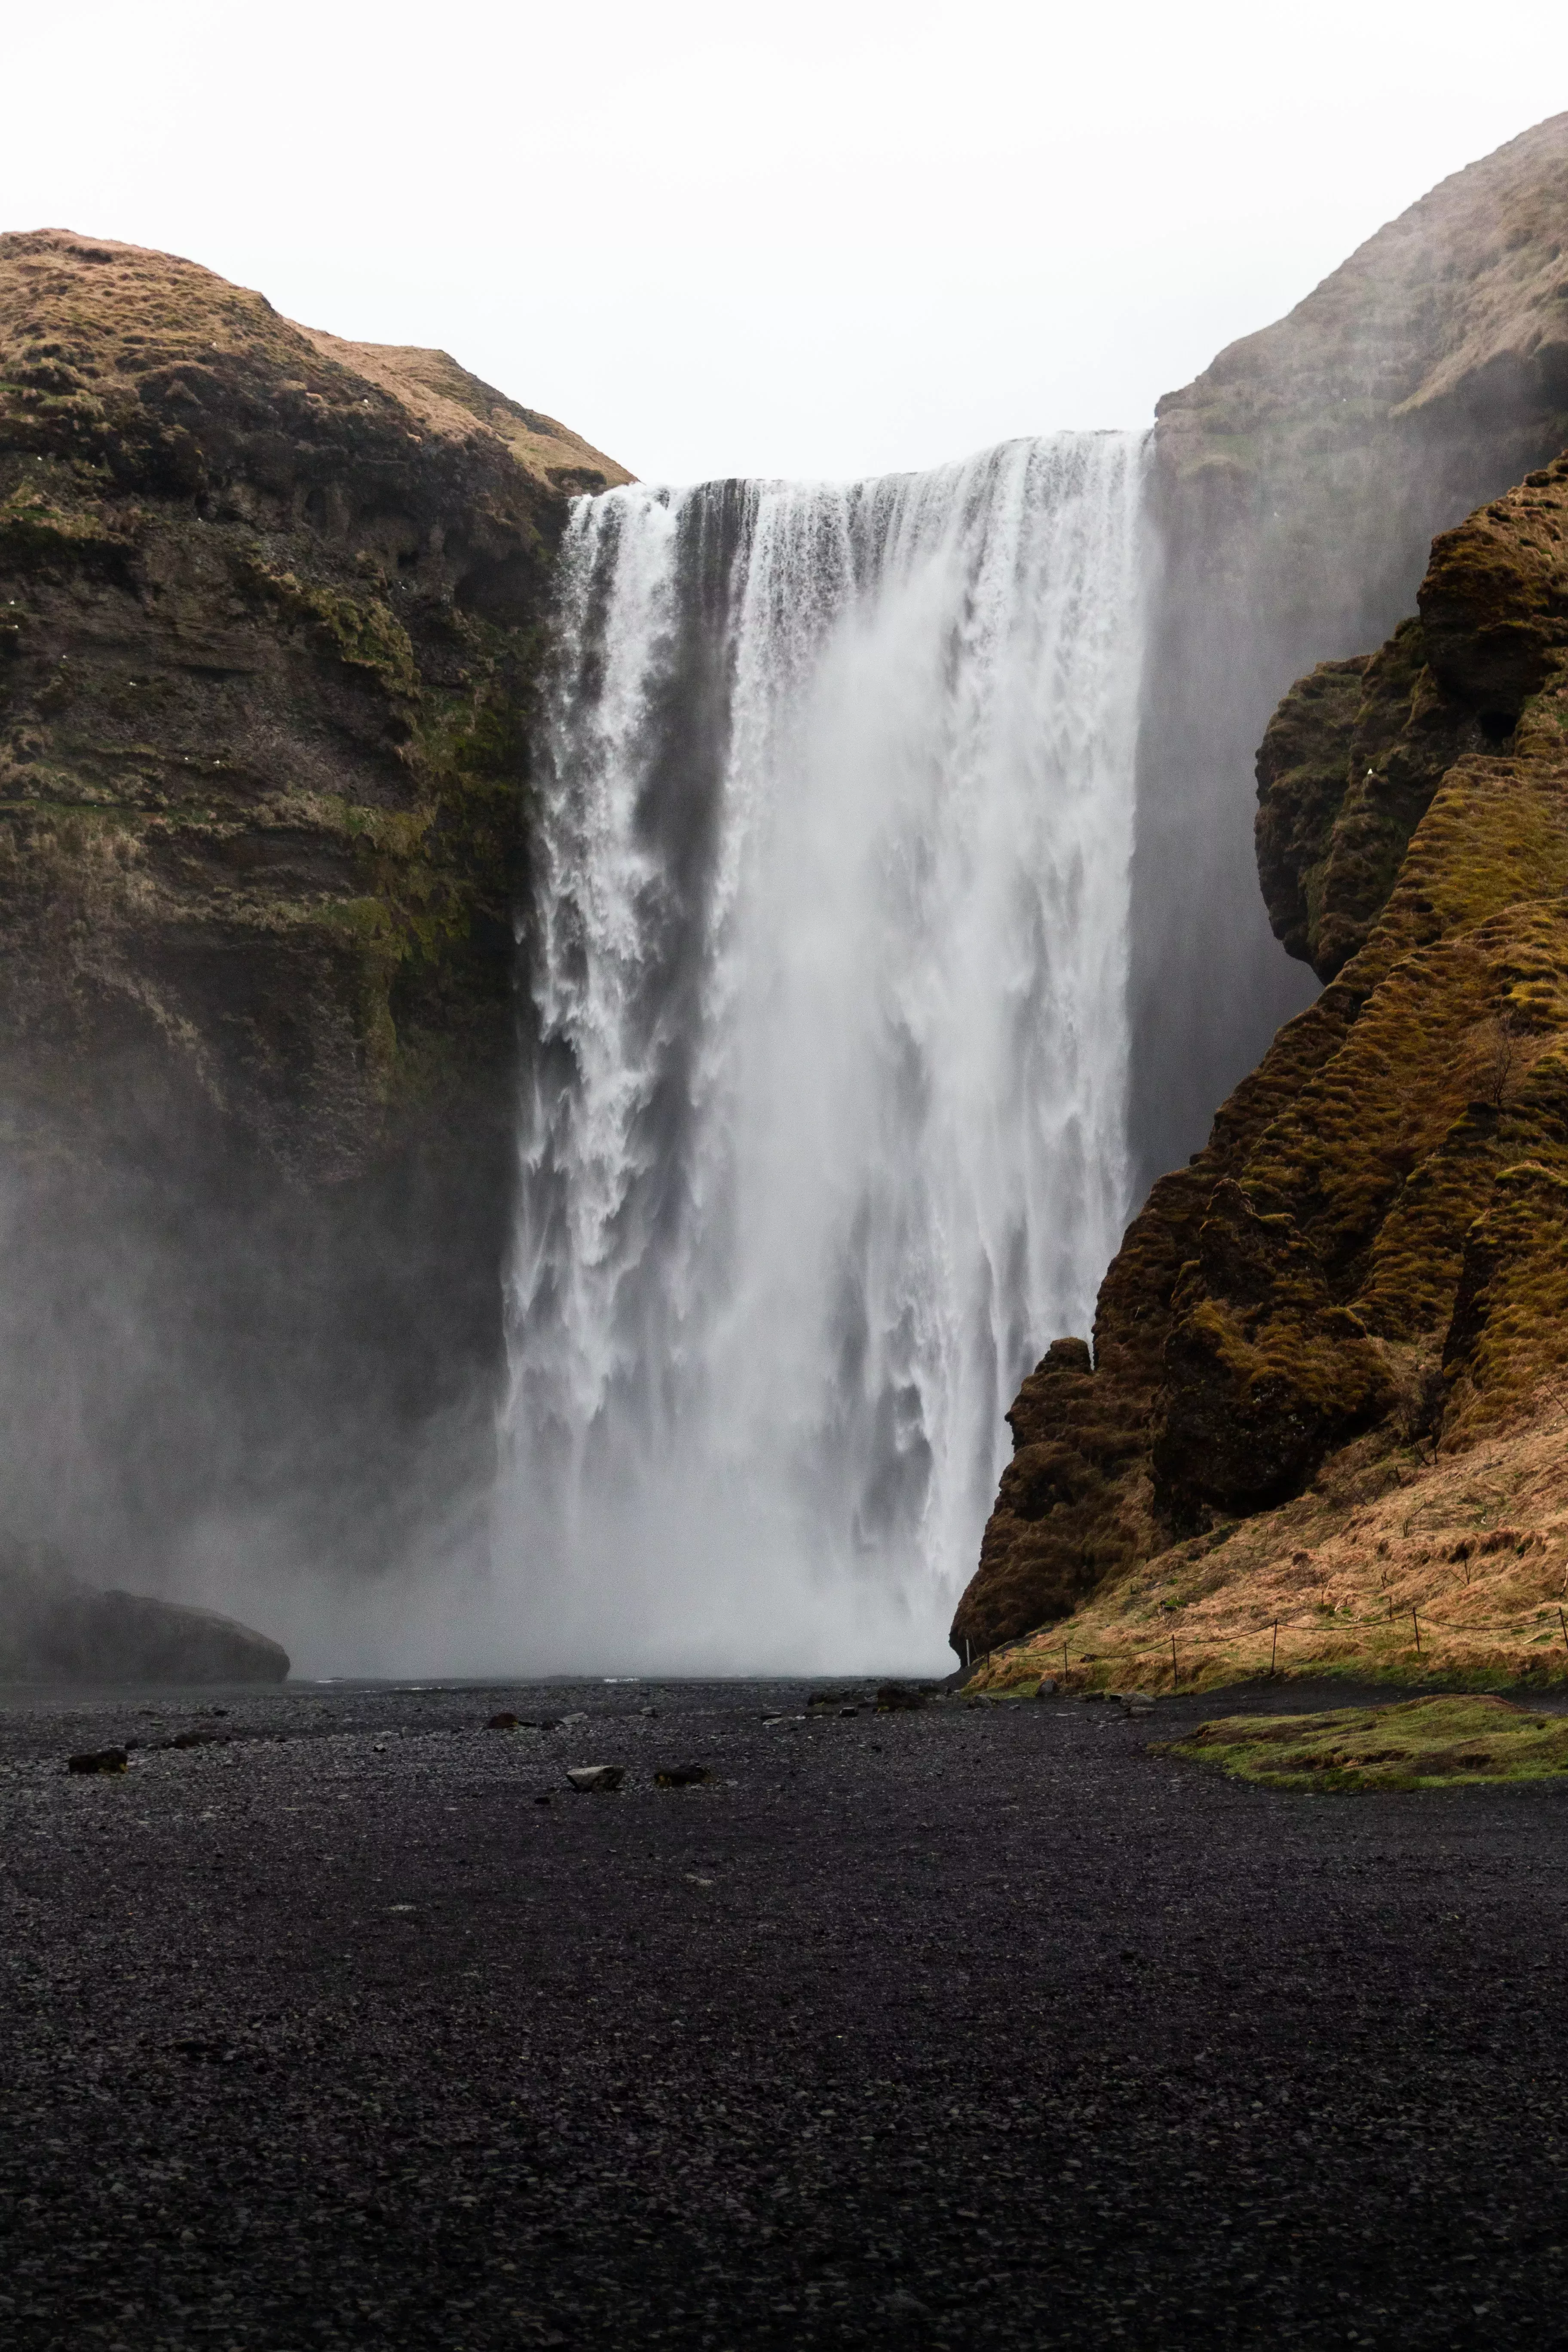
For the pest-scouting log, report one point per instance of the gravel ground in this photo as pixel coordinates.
(980, 2026)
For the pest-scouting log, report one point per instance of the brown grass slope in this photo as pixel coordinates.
(1364, 1277)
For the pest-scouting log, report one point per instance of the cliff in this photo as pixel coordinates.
(1362, 1278)
(270, 616)
(1296, 487)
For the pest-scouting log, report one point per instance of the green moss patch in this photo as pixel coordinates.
(360, 631)
(1425, 1743)
(35, 526)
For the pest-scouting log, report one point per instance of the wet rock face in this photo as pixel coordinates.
(270, 618)
(1061, 1521)
(1372, 1242)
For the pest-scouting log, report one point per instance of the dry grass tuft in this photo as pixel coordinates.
(1400, 1567)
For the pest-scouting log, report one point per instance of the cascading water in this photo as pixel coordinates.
(823, 1128)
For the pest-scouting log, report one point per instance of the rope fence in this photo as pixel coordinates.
(1271, 1633)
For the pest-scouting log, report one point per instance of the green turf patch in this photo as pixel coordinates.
(1425, 1743)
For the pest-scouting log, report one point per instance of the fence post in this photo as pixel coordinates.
(1563, 1622)
(1417, 1623)
(1274, 1653)
(1174, 1677)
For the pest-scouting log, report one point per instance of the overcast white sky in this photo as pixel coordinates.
(831, 236)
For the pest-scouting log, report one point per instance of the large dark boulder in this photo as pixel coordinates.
(56, 1628)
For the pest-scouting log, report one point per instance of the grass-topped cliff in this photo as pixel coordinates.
(1328, 1359)
(269, 617)
(271, 612)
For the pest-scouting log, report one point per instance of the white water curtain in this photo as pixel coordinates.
(824, 1133)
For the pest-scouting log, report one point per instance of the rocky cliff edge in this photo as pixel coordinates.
(1330, 1354)
(1296, 485)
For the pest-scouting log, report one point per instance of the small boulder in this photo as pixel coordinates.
(1047, 1687)
(897, 1698)
(100, 1760)
(502, 1722)
(682, 1775)
(598, 1777)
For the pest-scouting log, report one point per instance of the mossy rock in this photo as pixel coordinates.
(1423, 1743)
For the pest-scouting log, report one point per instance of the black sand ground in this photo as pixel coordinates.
(976, 2027)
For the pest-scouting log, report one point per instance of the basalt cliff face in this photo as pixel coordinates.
(1361, 1284)
(271, 612)
(1296, 485)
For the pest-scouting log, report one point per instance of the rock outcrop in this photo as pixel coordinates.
(54, 1628)
(1367, 1259)
(270, 619)
(1297, 485)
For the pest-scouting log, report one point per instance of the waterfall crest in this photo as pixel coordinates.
(824, 1121)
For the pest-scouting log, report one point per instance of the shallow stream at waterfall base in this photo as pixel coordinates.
(974, 2026)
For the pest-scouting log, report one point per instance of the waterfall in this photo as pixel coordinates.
(823, 1128)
